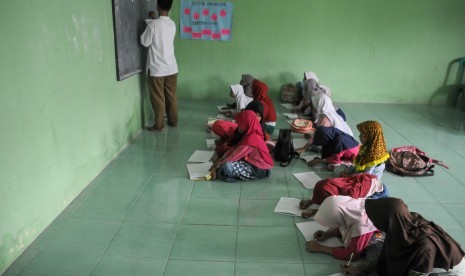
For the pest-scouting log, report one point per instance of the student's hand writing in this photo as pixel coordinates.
(309, 213)
(319, 235)
(349, 270)
(313, 246)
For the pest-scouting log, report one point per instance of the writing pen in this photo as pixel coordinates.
(350, 259)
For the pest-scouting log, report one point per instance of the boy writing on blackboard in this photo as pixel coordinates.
(161, 65)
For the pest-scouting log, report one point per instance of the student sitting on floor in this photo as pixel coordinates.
(328, 117)
(336, 146)
(312, 89)
(372, 153)
(347, 219)
(413, 246)
(355, 186)
(242, 100)
(305, 104)
(250, 159)
(227, 131)
(259, 91)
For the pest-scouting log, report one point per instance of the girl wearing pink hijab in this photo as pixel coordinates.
(347, 219)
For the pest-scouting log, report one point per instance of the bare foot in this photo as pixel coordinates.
(155, 129)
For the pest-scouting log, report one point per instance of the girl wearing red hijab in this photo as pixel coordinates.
(356, 186)
(259, 91)
(250, 159)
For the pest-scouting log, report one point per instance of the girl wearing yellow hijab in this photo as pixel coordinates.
(373, 152)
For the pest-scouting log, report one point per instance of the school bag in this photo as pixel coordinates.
(284, 149)
(289, 93)
(411, 161)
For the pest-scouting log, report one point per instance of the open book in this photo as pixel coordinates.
(299, 142)
(308, 179)
(307, 156)
(287, 106)
(201, 156)
(290, 206)
(308, 228)
(291, 115)
(210, 143)
(199, 171)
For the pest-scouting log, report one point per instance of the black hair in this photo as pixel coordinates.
(257, 107)
(165, 4)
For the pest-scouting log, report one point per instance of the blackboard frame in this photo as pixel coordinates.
(128, 24)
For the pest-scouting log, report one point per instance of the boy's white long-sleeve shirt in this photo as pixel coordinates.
(159, 37)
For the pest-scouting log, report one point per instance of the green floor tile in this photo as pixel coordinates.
(113, 206)
(436, 213)
(264, 189)
(204, 268)
(216, 189)
(143, 239)
(441, 191)
(457, 211)
(211, 211)
(166, 210)
(86, 235)
(129, 265)
(269, 269)
(260, 213)
(267, 244)
(65, 263)
(130, 183)
(410, 190)
(205, 242)
(321, 269)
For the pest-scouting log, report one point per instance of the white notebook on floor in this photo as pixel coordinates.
(200, 156)
(308, 179)
(308, 228)
(199, 171)
(291, 115)
(287, 106)
(299, 142)
(290, 206)
(308, 156)
(210, 143)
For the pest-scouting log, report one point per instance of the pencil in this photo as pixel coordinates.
(351, 255)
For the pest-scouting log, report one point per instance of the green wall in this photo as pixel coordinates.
(364, 50)
(63, 115)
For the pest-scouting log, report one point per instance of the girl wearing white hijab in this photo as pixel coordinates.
(242, 100)
(348, 221)
(327, 115)
(310, 86)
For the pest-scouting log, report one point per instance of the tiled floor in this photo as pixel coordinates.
(143, 216)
